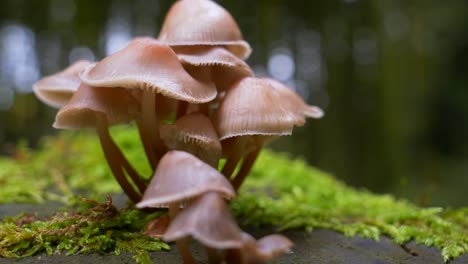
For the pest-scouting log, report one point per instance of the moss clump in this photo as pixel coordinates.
(101, 228)
(280, 192)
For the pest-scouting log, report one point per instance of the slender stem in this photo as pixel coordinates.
(234, 256)
(181, 244)
(134, 175)
(149, 118)
(181, 109)
(246, 166)
(112, 159)
(234, 157)
(146, 141)
(174, 209)
(213, 255)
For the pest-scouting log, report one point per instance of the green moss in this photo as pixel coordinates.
(280, 192)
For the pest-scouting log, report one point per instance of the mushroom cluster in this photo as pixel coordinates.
(195, 102)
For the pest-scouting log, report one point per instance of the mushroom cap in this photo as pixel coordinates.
(203, 22)
(180, 177)
(254, 107)
(295, 100)
(147, 64)
(226, 68)
(193, 133)
(116, 103)
(271, 246)
(208, 220)
(57, 89)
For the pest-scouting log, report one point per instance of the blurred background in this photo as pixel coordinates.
(391, 75)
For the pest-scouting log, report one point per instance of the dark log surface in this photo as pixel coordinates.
(320, 246)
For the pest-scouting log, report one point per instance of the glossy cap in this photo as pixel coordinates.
(180, 177)
(203, 22)
(208, 220)
(194, 133)
(116, 103)
(266, 248)
(147, 64)
(57, 89)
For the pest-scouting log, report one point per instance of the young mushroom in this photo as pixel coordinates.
(191, 23)
(57, 89)
(99, 108)
(179, 178)
(225, 68)
(152, 68)
(208, 220)
(262, 250)
(252, 111)
(194, 133)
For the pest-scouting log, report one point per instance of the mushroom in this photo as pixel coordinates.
(203, 23)
(208, 220)
(253, 111)
(57, 89)
(180, 177)
(194, 133)
(262, 250)
(150, 67)
(224, 66)
(99, 108)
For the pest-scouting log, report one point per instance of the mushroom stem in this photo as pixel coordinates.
(213, 255)
(134, 175)
(234, 157)
(246, 166)
(113, 159)
(234, 256)
(181, 109)
(181, 244)
(151, 125)
(145, 139)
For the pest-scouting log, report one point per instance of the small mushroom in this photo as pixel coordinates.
(151, 67)
(262, 250)
(225, 68)
(203, 23)
(99, 108)
(253, 111)
(57, 89)
(180, 177)
(194, 133)
(208, 220)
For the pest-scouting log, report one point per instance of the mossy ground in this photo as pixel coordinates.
(280, 192)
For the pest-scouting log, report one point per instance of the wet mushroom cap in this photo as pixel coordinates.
(116, 103)
(148, 65)
(272, 245)
(295, 100)
(193, 133)
(253, 107)
(57, 89)
(208, 220)
(180, 177)
(203, 22)
(226, 68)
